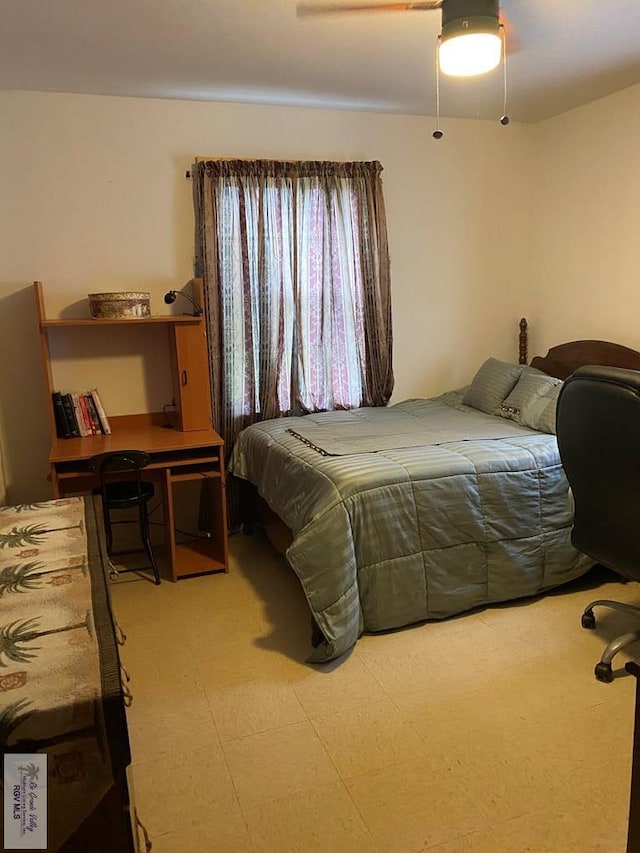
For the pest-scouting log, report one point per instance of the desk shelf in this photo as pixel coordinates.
(165, 320)
(206, 554)
(187, 343)
(197, 557)
(196, 474)
(191, 451)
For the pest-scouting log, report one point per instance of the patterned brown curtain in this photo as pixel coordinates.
(295, 263)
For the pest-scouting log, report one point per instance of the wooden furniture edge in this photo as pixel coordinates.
(561, 360)
(155, 320)
(45, 354)
(633, 830)
(196, 284)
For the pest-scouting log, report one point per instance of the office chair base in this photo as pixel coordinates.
(603, 670)
(589, 620)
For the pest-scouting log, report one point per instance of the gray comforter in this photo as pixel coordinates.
(395, 536)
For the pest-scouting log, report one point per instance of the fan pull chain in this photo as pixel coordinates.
(437, 133)
(504, 118)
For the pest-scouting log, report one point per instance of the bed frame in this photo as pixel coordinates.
(560, 361)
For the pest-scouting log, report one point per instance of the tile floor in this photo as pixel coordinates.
(483, 733)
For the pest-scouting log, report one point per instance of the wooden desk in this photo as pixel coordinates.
(175, 457)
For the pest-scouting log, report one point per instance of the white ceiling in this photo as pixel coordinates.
(561, 53)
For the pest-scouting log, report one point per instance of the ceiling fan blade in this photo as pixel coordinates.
(333, 8)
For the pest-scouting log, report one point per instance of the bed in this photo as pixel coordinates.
(427, 508)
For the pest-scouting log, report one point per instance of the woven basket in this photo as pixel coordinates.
(119, 305)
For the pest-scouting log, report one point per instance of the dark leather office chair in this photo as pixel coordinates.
(598, 430)
(124, 493)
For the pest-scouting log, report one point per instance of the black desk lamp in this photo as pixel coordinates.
(171, 296)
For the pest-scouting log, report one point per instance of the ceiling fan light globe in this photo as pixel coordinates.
(469, 54)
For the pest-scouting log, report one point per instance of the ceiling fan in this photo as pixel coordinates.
(471, 40)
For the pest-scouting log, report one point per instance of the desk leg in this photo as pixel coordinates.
(54, 482)
(198, 555)
(220, 513)
(169, 525)
(633, 836)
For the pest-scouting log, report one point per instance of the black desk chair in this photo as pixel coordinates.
(598, 430)
(126, 493)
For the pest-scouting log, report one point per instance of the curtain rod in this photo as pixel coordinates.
(188, 174)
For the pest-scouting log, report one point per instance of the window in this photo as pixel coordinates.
(296, 271)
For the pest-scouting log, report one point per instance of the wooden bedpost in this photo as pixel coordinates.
(523, 342)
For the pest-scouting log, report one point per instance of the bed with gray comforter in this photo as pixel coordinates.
(457, 509)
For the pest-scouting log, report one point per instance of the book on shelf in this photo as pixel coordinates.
(77, 407)
(67, 402)
(79, 414)
(104, 420)
(93, 414)
(63, 427)
(84, 409)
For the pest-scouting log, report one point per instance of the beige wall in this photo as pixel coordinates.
(586, 263)
(94, 198)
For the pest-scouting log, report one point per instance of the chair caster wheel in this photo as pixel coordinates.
(588, 619)
(114, 575)
(604, 672)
